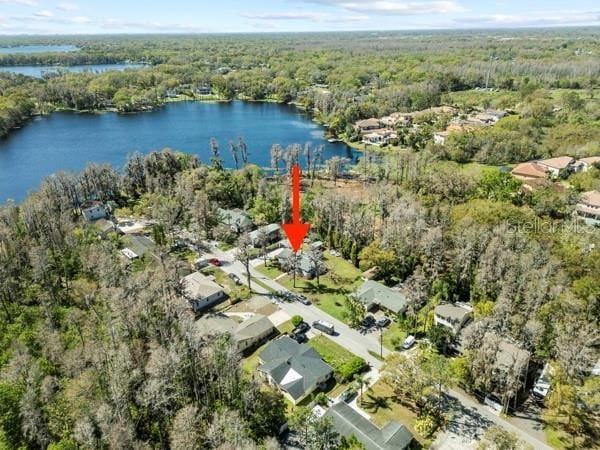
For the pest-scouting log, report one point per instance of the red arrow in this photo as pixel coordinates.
(296, 231)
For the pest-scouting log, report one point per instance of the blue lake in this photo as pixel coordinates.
(69, 141)
(38, 49)
(38, 71)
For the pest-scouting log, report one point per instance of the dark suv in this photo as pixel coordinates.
(302, 327)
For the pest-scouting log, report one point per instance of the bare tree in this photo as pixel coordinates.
(245, 254)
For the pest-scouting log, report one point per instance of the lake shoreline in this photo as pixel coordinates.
(68, 139)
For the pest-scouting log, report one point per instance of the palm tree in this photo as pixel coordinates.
(362, 381)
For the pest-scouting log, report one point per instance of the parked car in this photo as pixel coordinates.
(302, 299)
(215, 262)
(334, 253)
(383, 322)
(235, 278)
(348, 395)
(409, 342)
(303, 327)
(323, 326)
(368, 321)
(300, 338)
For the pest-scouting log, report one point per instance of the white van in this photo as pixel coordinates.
(408, 342)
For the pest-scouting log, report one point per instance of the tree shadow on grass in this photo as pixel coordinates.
(373, 403)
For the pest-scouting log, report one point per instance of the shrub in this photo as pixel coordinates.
(425, 425)
(297, 320)
(353, 366)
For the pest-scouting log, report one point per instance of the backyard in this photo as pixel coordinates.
(378, 401)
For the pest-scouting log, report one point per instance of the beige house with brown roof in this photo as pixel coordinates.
(587, 163)
(367, 125)
(588, 207)
(529, 171)
(555, 165)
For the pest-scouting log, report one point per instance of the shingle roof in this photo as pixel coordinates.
(451, 312)
(294, 367)
(591, 198)
(591, 160)
(371, 292)
(530, 169)
(235, 217)
(257, 325)
(560, 162)
(139, 244)
(347, 421)
(198, 286)
(267, 229)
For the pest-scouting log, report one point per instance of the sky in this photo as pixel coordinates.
(234, 16)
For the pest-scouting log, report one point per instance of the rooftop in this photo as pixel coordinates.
(560, 162)
(197, 286)
(530, 170)
(591, 198)
(347, 421)
(451, 312)
(374, 293)
(294, 367)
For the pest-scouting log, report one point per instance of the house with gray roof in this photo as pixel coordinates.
(295, 369)
(251, 333)
(452, 316)
(137, 246)
(347, 422)
(201, 291)
(236, 219)
(271, 231)
(376, 295)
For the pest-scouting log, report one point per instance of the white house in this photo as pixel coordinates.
(588, 207)
(379, 137)
(440, 137)
(201, 291)
(452, 316)
(587, 163)
(555, 165)
(93, 211)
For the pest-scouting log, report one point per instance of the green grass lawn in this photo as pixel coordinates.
(341, 279)
(270, 271)
(379, 402)
(286, 327)
(393, 334)
(250, 362)
(332, 353)
(220, 277)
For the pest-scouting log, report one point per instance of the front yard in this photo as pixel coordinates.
(344, 363)
(341, 279)
(393, 336)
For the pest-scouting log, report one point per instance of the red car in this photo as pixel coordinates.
(215, 262)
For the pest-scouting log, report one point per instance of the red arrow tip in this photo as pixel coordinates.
(296, 232)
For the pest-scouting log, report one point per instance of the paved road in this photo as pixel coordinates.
(478, 418)
(471, 417)
(347, 337)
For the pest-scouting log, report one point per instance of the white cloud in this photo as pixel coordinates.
(132, 26)
(44, 13)
(531, 19)
(395, 7)
(19, 2)
(70, 7)
(285, 16)
(310, 16)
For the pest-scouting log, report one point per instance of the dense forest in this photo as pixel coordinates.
(95, 351)
(338, 78)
